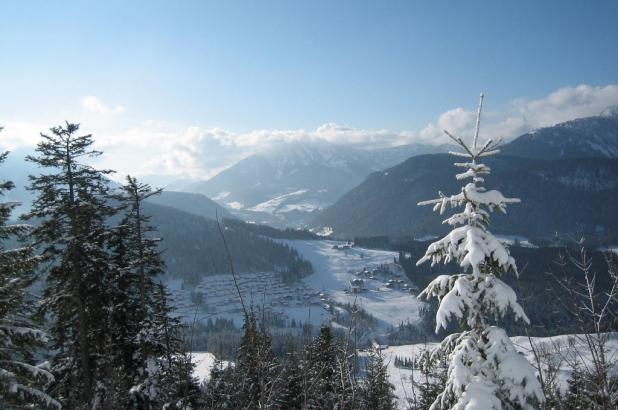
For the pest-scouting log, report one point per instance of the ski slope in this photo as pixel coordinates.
(334, 268)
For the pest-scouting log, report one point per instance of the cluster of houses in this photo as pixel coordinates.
(219, 295)
(382, 273)
(344, 246)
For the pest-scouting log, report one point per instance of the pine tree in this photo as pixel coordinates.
(71, 207)
(23, 383)
(485, 371)
(321, 385)
(147, 338)
(136, 262)
(221, 388)
(256, 365)
(432, 380)
(377, 391)
(290, 386)
(173, 374)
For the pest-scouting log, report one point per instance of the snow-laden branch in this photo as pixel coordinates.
(469, 298)
(472, 247)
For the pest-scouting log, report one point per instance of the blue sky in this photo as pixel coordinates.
(288, 65)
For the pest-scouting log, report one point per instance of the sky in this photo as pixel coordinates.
(186, 88)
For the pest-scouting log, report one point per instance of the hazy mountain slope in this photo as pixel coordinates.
(15, 168)
(558, 196)
(290, 182)
(591, 137)
(193, 248)
(196, 204)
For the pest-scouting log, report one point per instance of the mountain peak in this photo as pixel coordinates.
(610, 112)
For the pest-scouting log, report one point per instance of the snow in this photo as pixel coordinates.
(483, 364)
(273, 204)
(318, 298)
(221, 195)
(425, 238)
(562, 347)
(334, 268)
(305, 206)
(516, 239)
(204, 362)
(612, 249)
(235, 205)
(325, 231)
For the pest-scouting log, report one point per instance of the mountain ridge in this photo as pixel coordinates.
(576, 182)
(288, 183)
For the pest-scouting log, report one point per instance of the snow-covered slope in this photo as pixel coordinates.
(590, 137)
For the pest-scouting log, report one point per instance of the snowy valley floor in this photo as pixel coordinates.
(319, 298)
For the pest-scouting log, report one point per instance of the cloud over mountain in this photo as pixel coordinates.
(160, 147)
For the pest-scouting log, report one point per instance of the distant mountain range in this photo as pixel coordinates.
(566, 176)
(286, 185)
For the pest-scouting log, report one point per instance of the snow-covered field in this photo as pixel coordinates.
(335, 268)
(381, 289)
(563, 351)
(204, 362)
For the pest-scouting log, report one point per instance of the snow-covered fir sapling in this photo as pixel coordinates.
(485, 370)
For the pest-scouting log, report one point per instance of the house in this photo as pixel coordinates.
(356, 285)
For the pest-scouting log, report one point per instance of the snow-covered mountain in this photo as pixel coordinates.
(554, 166)
(590, 137)
(288, 183)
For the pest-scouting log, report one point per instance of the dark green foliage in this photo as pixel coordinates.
(115, 340)
(290, 395)
(251, 382)
(22, 382)
(538, 285)
(322, 372)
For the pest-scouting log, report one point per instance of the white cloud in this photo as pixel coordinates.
(523, 115)
(92, 103)
(159, 147)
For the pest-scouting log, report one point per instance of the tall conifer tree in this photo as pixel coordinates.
(71, 207)
(22, 382)
(485, 371)
(147, 336)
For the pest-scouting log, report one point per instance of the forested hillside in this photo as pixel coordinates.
(192, 247)
(562, 196)
(196, 204)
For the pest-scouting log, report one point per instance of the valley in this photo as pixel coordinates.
(343, 279)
